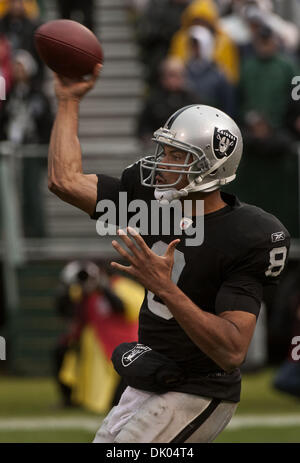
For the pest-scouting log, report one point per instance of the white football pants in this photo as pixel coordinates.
(172, 417)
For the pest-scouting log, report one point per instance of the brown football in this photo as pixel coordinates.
(68, 47)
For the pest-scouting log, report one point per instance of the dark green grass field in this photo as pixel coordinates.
(29, 412)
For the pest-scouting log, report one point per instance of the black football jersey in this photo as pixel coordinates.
(244, 249)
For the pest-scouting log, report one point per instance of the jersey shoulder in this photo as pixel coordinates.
(258, 245)
(132, 169)
(131, 175)
(260, 228)
(131, 182)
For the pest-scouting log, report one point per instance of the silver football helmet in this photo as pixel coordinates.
(213, 145)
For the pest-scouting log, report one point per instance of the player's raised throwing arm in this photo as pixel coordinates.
(65, 176)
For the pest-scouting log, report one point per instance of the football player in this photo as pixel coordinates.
(201, 302)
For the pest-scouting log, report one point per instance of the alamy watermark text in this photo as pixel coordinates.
(2, 348)
(295, 352)
(296, 88)
(151, 218)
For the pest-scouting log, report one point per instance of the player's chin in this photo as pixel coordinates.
(173, 182)
(181, 184)
(159, 182)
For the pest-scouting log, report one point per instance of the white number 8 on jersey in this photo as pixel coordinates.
(179, 262)
(277, 261)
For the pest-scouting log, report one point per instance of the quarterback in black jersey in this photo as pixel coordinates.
(201, 301)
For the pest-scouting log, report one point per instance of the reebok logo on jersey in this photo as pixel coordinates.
(133, 354)
(278, 236)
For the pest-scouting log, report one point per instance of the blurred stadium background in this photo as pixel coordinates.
(40, 233)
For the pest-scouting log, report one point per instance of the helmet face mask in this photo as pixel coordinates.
(213, 145)
(195, 162)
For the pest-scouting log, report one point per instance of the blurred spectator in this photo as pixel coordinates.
(203, 76)
(41, 6)
(3, 313)
(78, 10)
(243, 18)
(235, 25)
(26, 118)
(264, 97)
(260, 12)
(136, 9)
(6, 63)
(285, 316)
(19, 29)
(98, 319)
(268, 173)
(31, 8)
(265, 85)
(164, 98)
(260, 137)
(204, 13)
(138, 6)
(293, 119)
(159, 22)
(284, 325)
(287, 378)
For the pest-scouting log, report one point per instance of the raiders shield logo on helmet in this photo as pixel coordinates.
(224, 143)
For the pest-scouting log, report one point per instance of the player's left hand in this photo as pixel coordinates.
(152, 271)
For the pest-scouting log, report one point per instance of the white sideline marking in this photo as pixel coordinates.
(28, 424)
(92, 424)
(255, 421)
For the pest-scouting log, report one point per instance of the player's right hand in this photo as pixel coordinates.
(69, 89)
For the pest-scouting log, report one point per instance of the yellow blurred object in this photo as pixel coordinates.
(204, 9)
(31, 8)
(225, 54)
(75, 293)
(131, 293)
(89, 372)
(68, 370)
(90, 375)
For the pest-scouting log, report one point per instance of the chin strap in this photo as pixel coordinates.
(168, 195)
